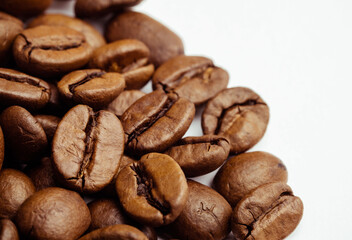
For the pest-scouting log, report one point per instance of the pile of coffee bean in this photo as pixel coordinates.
(75, 128)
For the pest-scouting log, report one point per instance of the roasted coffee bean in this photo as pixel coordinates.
(8, 230)
(25, 138)
(239, 114)
(270, 212)
(49, 124)
(96, 8)
(115, 232)
(162, 42)
(154, 190)
(200, 155)
(17, 88)
(42, 174)
(55, 106)
(15, 188)
(247, 171)
(53, 213)
(156, 121)
(2, 148)
(92, 87)
(194, 78)
(206, 215)
(93, 37)
(120, 104)
(51, 51)
(87, 148)
(128, 57)
(25, 8)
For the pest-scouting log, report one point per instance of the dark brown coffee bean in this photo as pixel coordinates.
(15, 188)
(8, 230)
(239, 114)
(162, 42)
(25, 138)
(51, 51)
(120, 104)
(93, 37)
(25, 8)
(55, 106)
(42, 175)
(2, 148)
(270, 212)
(49, 124)
(116, 232)
(128, 57)
(247, 171)
(92, 87)
(194, 78)
(87, 148)
(154, 190)
(17, 88)
(53, 213)
(156, 121)
(200, 155)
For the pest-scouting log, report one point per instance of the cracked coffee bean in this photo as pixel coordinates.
(270, 212)
(116, 232)
(49, 124)
(128, 57)
(25, 8)
(123, 101)
(87, 148)
(8, 230)
(51, 51)
(239, 114)
(194, 78)
(154, 190)
(92, 87)
(53, 213)
(2, 148)
(200, 155)
(156, 121)
(247, 171)
(42, 174)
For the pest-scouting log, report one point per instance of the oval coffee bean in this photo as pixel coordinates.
(162, 42)
(42, 174)
(8, 230)
(2, 148)
(200, 155)
(194, 78)
(247, 171)
(154, 190)
(270, 212)
(87, 148)
(53, 213)
(51, 51)
(156, 121)
(239, 114)
(25, 8)
(17, 88)
(128, 57)
(15, 188)
(123, 101)
(116, 232)
(49, 124)
(92, 87)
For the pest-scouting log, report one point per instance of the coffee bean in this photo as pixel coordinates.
(239, 114)
(92, 87)
(25, 8)
(123, 101)
(87, 148)
(200, 155)
(128, 57)
(51, 50)
(2, 148)
(247, 171)
(42, 174)
(156, 121)
(270, 212)
(8, 230)
(15, 188)
(49, 124)
(154, 190)
(55, 106)
(119, 231)
(194, 78)
(53, 213)
(162, 42)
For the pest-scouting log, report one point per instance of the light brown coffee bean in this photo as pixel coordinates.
(8, 230)
(116, 232)
(123, 101)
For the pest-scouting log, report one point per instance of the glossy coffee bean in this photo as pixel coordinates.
(123, 101)
(24, 137)
(154, 190)
(18, 88)
(270, 212)
(2, 148)
(42, 174)
(162, 42)
(116, 232)
(8, 230)
(92, 36)
(200, 155)
(25, 8)
(92, 87)
(247, 171)
(194, 78)
(156, 121)
(239, 114)
(15, 188)
(49, 124)
(51, 51)
(87, 148)
(128, 57)
(53, 213)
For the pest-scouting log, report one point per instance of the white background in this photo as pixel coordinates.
(297, 55)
